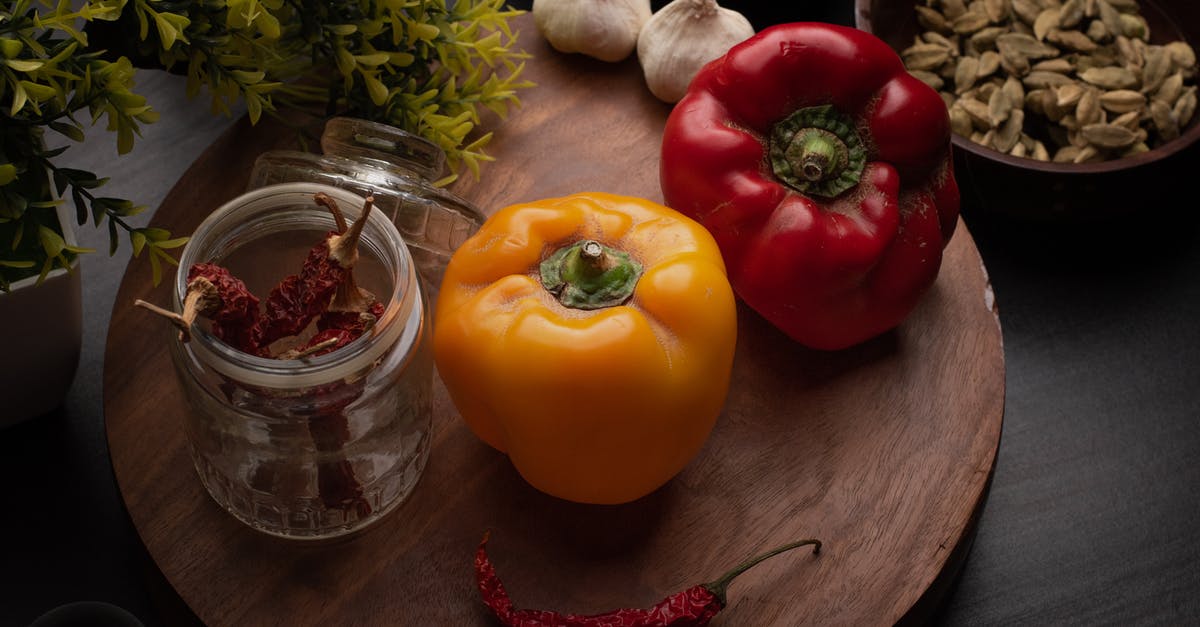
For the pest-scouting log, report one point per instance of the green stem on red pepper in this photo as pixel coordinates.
(590, 275)
(817, 151)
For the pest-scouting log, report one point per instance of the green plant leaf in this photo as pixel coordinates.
(8, 173)
(52, 242)
(137, 240)
(24, 65)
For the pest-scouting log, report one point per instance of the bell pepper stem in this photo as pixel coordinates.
(817, 151)
(590, 275)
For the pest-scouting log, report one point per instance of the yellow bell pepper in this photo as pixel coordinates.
(590, 338)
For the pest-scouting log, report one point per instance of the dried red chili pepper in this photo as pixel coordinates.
(351, 313)
(297, 299)
(214, 293)
(693, 607)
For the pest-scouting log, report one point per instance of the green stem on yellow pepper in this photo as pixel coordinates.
(590, 275)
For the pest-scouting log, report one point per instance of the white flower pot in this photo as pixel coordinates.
(41, 332)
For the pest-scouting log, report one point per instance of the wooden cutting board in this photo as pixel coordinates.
(883, 451)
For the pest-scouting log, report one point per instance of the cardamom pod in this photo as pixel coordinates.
(965, 74)
(1045, 22)
(1108, 135)
(1163, 117)
(925, 56)
(997, 10)
(1037, 80)
(1185, 107)
(1170, 90)
(930, 19)
(999, 107)
(989, 62)
(1122, 101)
(1110, 77)
(1088, 110)
(1008, 134)
(1158, 66)
(969, 22)
(1060, 65)
(1026, 45)
(1070, 14)
(1072, 40)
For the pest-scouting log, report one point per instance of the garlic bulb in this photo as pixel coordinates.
(684, 35)
(603, 29)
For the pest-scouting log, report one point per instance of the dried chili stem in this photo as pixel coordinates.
(202, 297)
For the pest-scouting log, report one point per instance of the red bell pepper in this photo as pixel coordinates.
(822, 168)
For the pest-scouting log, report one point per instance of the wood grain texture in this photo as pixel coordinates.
(882, 451)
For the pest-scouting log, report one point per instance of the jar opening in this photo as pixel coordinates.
(250, 231)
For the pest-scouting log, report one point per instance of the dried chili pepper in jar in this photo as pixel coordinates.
(214, 293)
(299, 298)
(693, 607)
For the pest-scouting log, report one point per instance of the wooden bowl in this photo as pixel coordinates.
(996, 182)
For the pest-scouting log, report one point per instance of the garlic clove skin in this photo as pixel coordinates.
(603, 29)
(683, 36)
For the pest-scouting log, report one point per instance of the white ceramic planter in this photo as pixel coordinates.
(41, 332)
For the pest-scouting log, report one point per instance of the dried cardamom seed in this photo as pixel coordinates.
(1110, 77)
(1171, 89)
(985, 39)
(1110, 18)
(1039, 80)
(1018, 150)
(1072, 40)
(1088, 110)
(1046, 21)
(1008, 134)
(1182, 55)
(997, 10)
(1158, 66)
(1185, 107)
(969, 22)
(1026, 10)
(1108, 135)
(1066, 154)
(1068, 95)
(978, 112)
(1026, 45)
(1060, 65)
(1070, 14)
(937, 38)
(965, 74)
(1122, 101)
(1086, 154)
(999, 107)
(1098, 32)
(929, 78)
(1129, 120)
(930, 19)
(1014, 90)
(1033, 101)
(925, 56)
(989, 62)
(1039, 151)
(1163, 117)
(953, 8)
(1134, 27)
(960, 120)
(1014, 63)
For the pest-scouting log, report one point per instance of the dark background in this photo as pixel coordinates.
(1092, 516)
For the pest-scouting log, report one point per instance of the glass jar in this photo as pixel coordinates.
(399, 169)
(322, 446)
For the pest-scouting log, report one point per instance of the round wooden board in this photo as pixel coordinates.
(883, 451)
